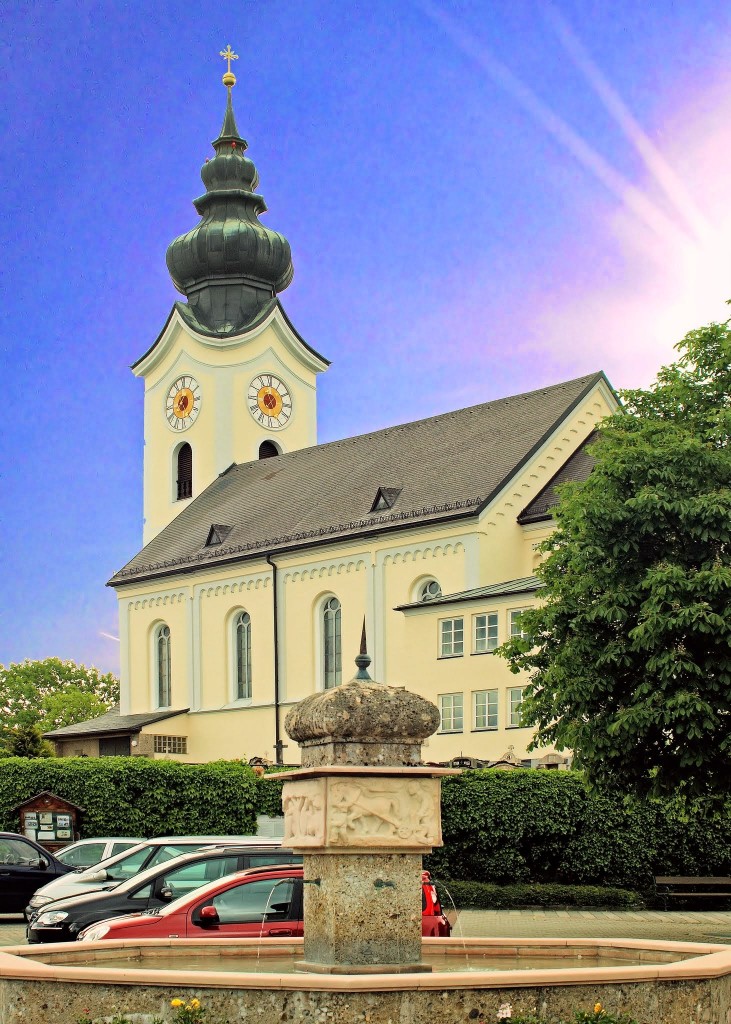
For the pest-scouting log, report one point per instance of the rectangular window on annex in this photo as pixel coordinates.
(451, 634)
(515, 616)
(484, 707)
(451, 708)
(170, 744)
(515, 699)
(485, 632)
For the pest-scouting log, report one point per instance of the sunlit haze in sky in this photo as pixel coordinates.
(482, 198)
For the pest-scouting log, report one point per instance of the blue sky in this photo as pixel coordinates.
(481, 198)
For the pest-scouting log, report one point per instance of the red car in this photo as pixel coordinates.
(256, 903)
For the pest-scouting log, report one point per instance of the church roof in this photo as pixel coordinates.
(445, 467)
(576, 468)
(526, 585)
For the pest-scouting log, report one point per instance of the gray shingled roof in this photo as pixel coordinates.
(526, 585)
(446, 467)
(576, 468)
(112, 722)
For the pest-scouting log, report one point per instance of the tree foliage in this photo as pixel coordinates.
(26, 741)
(52, 693)
(630, 652)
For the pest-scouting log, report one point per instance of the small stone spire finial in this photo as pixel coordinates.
(363, 659)
(229, 78)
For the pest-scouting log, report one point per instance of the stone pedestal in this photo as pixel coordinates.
(362, 810)
(363, 913)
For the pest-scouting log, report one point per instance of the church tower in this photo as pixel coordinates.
(229, 379)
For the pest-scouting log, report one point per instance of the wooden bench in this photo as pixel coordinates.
(674, 886)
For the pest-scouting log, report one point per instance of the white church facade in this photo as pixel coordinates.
(264, 552)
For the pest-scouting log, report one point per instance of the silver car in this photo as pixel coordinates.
(86, 852)
(124, 865)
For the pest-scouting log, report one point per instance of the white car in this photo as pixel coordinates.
(86, 852)
(145, 855)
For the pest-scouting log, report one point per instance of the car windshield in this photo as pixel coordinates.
(81, 856)
(130, 864)
(151, 874)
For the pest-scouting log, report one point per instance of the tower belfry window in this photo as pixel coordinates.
(267, 450)
(185, 471)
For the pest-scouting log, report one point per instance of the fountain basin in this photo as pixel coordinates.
(655, 981)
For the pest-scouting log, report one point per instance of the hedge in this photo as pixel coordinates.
(539, 826)
(137, 796)
(499, 827)
(493, 897)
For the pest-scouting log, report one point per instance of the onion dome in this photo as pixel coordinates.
(229, 266)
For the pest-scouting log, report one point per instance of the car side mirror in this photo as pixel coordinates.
(96, 876)
(209, 917)
(166, 894)
(40, 864)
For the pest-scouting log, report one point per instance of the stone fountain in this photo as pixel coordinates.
(363, 811)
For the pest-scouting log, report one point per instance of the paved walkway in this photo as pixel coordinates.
(688, 926)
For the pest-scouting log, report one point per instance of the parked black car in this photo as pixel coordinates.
(24, 867)
(62, 920)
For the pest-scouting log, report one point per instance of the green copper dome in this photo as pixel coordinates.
(229, 266)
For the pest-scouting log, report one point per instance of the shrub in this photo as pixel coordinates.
(137, 796)
(495, 897)
(546, 827)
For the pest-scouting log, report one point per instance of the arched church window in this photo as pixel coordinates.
(185, 471)
(429, 591)
(268, 449)
(242, 642)
(332, 668)
(162, 665)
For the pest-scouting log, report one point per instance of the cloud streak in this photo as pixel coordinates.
(646, 211)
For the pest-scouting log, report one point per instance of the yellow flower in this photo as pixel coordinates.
(597, 1007)
(195, 1004)
(176, 1003)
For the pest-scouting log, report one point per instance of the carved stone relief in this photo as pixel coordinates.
(359, 811)
(303, 803)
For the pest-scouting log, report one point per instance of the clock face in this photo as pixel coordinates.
(183, 402)
(269, 401)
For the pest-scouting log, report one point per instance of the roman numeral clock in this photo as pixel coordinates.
(183, 402)
(269, 401)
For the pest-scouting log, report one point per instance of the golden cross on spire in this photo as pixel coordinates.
(229, 55)
(229, 77)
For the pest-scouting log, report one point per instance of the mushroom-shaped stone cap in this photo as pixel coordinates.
(363, 711)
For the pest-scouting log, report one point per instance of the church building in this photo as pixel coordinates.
(264, 551)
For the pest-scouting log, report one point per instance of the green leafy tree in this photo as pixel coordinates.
(69, 706)
(26, 741)
(630, 652)
(52, 693)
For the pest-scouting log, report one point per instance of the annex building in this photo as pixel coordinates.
(264, 551)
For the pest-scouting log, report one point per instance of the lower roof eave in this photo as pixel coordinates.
(265, 553)
(103, 732)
